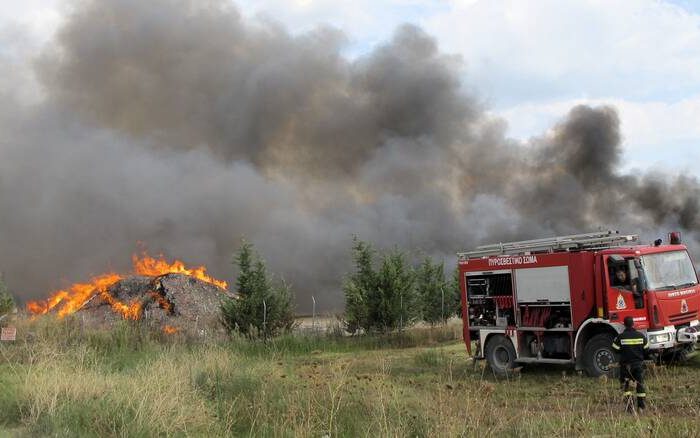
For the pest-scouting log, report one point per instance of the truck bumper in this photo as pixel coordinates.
(670, 337)
(688, 335)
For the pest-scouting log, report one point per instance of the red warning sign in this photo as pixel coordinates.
(8, 334)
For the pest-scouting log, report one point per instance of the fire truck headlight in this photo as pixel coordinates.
(657, 339)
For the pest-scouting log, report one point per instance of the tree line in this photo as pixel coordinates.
(388, 293)
(384, 292)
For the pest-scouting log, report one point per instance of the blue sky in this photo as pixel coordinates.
(528, 61)
(531, 61)
(689, 5)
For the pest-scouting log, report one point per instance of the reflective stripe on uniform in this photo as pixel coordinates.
(641, 394)
(646, 345)
(638, 341)
(627, 393)
(615, 346)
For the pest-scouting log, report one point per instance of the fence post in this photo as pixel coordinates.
(442, 291)
(313, 314)
(264, 320)
(401, 301)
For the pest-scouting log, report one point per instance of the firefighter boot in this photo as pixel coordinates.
(627, 394)
(629, 403)
(641, 404)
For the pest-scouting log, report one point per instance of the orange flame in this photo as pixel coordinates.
(154, 267)
(169, 330)
(74, 298)
(127, 311)
(164, 304)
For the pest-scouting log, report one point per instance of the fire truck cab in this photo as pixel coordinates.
(563, 299)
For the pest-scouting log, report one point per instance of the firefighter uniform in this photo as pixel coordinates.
(632, 347)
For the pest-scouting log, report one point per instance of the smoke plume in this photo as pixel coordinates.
(180, 125)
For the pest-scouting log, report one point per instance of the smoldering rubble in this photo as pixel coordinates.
(181, 125)
(177, 301)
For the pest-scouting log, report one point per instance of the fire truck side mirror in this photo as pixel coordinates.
(637, 286)
(641, 279)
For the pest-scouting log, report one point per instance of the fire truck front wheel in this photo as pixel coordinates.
(598, 355)
(500, 354)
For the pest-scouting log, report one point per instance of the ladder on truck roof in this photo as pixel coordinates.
(573, 242)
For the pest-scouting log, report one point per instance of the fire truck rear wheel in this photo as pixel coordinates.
(500, 354)
(598, 355)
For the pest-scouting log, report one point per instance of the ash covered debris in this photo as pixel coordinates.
(191, 298)
(175, 300)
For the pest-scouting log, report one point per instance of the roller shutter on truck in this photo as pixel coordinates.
(549, 285)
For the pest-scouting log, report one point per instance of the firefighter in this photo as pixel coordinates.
(621, 279)
(633, 347)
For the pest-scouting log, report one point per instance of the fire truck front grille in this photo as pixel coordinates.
(682, 317)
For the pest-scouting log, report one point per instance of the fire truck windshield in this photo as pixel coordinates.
(669, 270)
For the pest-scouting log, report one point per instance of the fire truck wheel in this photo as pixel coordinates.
(500, 354)
(598, 355)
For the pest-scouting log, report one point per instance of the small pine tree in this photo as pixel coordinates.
(395, 303)
(359, 286)
(379, 300)
(7, 303)
(455, 294)
(261, 308)
(436, 297)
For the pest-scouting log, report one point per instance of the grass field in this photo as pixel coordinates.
(58, 380)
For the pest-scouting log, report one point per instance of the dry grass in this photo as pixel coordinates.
(58, 382)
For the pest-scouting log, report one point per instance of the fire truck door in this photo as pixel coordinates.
(624, 299)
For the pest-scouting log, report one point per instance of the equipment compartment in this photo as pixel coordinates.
(490, 297)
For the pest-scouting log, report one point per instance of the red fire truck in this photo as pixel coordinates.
(562, 300)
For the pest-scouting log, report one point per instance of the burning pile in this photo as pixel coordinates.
(157, 289)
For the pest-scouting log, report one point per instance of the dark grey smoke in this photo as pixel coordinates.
(177, 124)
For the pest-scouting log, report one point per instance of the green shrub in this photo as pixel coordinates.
(435, 296)
(7, 303)
(379, 300)
(455, 294)
(359, 286)
(261, 308)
